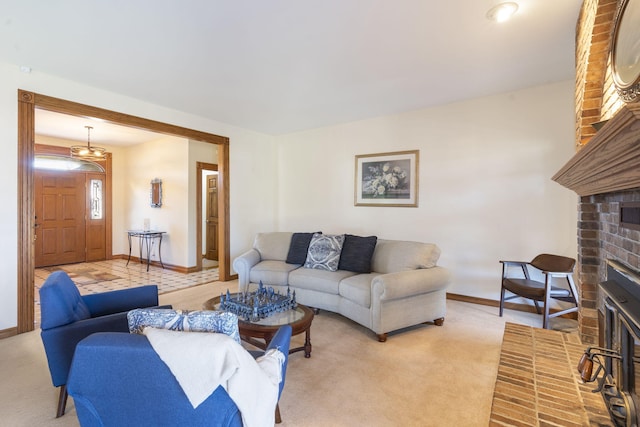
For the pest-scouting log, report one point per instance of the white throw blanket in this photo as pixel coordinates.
(203, 361)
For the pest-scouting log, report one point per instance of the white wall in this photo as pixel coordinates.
(485, 168)
(166, 159)
(485, 192)
(252, 155)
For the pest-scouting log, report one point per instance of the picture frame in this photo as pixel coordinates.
(387, 179)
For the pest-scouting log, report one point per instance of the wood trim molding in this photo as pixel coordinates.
(27, 103)
(611, 160)
(26, 211)
(528, 308)
(10, 332)
(224, 254)
(82, 110)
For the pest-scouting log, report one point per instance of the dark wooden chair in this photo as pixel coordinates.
(552, 267)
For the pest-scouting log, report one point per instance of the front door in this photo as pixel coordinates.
(212, 217)
(60, 218)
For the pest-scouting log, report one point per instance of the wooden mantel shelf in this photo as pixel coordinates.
(610, 161)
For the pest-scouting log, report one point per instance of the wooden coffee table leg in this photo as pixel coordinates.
(307, 343)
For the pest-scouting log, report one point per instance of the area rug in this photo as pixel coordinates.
(85, 275)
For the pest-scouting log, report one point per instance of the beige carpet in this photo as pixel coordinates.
(423, 376)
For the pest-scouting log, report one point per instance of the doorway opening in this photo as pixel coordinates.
(27, 103)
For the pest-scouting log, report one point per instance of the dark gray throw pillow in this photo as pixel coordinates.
(356, 253)
(299, 247)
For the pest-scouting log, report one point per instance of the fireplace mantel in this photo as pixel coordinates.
(611, 159)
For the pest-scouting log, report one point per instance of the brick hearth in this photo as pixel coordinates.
(538, 384)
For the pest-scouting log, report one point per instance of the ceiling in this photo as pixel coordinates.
(281, 66)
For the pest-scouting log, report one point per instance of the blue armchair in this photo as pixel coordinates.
(67, 317)
(119, 380)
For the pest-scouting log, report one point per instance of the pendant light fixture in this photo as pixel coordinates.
(88, 152)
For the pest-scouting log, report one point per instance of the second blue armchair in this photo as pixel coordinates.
(67, 317)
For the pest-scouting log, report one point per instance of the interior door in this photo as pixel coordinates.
(60, 218)
(212, 217)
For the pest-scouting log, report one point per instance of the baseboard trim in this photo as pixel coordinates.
(10, 332)
(178, 268)
(529, 308)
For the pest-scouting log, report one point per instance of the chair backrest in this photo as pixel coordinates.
(118, 379)
(61, 302)
(555, 263)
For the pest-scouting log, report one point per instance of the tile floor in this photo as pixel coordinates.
(87, 277)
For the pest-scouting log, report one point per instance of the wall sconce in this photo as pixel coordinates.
(156, 193)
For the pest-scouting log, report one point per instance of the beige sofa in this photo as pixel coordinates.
(405, 287)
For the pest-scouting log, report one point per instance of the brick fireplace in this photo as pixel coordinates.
(605, 174)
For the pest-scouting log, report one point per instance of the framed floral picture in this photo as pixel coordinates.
(387, 179)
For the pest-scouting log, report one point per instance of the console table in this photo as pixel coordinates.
(146, 237)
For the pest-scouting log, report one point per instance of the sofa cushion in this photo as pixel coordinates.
(299, 247)
(61, 302)
(318, 280)
(273, 246)
(356, 253)
(184, 320)
(357, 289)
(324, 251)
(271, 273)
(391, 256)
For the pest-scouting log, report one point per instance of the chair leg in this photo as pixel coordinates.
(502, 300)
(62, 401)
(547, 301)
(278, 418)
(535, 303)
(574, 291)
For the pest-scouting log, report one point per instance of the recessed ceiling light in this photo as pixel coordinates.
(503, 11)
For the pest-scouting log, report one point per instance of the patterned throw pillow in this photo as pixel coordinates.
(324, 252)
(184, 320)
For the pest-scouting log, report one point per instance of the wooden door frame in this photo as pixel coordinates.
(201, 166)
(27, 103)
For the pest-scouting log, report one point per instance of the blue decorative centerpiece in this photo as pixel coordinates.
(256, 305)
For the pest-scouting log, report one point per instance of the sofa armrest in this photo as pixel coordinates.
(121, 300)
(281, 341)
(243, 264)
(404, 284)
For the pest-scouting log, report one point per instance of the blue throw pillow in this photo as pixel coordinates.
(184, 320)
(356, 253)
(299, 247)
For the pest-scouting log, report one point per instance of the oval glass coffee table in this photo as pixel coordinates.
(299, 319)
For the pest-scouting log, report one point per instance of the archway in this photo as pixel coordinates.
(27, 103)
